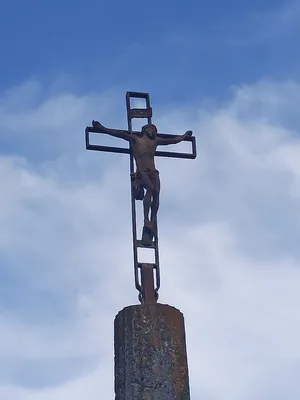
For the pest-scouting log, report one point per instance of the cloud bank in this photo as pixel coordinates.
(229, 228)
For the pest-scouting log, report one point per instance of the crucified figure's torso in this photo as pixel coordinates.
(143, 151)
(143, 147)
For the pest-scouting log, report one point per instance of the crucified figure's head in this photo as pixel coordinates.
(150, 131)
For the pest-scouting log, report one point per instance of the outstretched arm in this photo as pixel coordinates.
(173, 140)
(114, 132)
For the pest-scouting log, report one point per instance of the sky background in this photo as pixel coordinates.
(229, 221)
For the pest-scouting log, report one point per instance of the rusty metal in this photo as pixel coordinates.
(135, 242)
(149, 295)
(111, 149)
(140, 113)
(144, 276)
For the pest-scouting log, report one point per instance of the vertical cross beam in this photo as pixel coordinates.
(143, 273)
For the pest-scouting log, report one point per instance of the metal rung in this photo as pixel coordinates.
(139, 244)
(138, 95)
(153, 265)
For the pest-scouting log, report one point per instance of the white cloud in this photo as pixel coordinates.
(229, 229)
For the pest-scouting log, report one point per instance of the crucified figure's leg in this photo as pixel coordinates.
(155, 202)
(147, 205)
(147, 202)
(154, 206)
(154, 210)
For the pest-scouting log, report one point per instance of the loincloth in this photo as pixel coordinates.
(138, 179)
(150, 173)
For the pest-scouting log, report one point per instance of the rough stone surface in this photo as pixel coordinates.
(150, 354)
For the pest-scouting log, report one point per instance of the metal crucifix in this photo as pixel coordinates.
(145, 184)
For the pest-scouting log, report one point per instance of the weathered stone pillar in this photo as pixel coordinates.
(150, 354)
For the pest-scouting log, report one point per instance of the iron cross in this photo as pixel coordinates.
(145, 184)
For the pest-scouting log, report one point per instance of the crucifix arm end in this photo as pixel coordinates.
(113, 132)
(174, 139)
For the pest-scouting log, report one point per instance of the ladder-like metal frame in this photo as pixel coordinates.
(144, 282)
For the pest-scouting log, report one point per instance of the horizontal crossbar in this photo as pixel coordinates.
(139, 244)
(137, 95)
(153, 265)
(120, 150)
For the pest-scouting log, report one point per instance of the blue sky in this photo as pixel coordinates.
(229, 220)
(201, 47)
